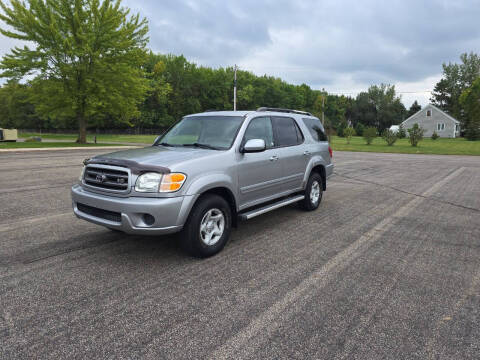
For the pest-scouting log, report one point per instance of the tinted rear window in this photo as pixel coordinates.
(315, 128)
(286, 132)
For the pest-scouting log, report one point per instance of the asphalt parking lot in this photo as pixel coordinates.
(388, 267)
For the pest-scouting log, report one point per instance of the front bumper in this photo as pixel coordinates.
(169, 214)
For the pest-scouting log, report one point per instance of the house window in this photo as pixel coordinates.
(440, 127)
(457, 128)
(429, 113)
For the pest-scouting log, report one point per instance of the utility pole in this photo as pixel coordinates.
(235, 89)
(323, 110)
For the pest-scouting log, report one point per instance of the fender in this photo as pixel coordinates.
(209, 181)
(314, 161)
(204, 183)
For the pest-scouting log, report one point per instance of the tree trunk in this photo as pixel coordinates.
(82, 128)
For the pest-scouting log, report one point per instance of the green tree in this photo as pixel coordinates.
(470, 100)
(369, 134)
(379, 107)
(415, 134)
(87, 57)
(414, 108)
(359, 129)
(456, 78)
(16, 111)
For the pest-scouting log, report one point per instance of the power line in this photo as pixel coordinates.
(349, 92)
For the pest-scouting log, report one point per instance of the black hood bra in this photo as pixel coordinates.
(134, 166)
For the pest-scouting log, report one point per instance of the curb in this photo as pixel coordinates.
(69, 148)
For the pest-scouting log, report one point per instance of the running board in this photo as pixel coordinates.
(251, 214)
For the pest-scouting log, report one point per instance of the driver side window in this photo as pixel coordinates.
(260, 128)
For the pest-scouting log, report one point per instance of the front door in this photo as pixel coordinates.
(259, 174)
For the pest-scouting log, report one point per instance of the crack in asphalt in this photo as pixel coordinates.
(407, 192)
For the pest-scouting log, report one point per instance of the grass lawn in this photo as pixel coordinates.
(145, 139)
(458, 146)
(23, 145)
(440, 146)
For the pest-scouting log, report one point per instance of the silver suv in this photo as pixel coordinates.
(204, 173)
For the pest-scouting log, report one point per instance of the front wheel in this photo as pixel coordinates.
(208, 227)
(313, 193)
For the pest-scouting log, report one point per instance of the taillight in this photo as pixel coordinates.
(330, 151)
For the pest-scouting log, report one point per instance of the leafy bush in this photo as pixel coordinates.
(34, 139)
(401, 133)
(359, 129)
(348, 133)
(389, 136)
(435, 136)
(369, 134)
(415, 134)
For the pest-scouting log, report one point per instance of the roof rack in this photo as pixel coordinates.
(284, 110)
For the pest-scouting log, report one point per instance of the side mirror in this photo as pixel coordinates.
(254, 145)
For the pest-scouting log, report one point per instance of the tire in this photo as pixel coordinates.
(208, 227)
(313, 193)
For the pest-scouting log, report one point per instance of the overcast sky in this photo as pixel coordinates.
(342, 46)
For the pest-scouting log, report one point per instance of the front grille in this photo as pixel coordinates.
(100, 213)
(106, 178)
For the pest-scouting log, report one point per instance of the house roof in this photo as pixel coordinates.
(436, 108)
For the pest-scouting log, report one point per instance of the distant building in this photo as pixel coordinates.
(433, 119)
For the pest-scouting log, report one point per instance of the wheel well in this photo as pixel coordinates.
(319, 169)
(227, 195)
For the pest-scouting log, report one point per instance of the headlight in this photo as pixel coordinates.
(154, 182)
(148, 182)
(81, 174)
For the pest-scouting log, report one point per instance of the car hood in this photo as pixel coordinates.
(158, 155)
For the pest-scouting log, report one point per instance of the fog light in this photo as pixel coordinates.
(148, 219)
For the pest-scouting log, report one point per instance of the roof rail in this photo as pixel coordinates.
(284, 110)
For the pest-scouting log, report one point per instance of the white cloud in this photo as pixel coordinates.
(340, 45)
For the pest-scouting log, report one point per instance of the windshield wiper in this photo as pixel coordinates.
(203, 146)
(165, 144)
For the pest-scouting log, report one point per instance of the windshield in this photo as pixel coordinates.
(216, 132)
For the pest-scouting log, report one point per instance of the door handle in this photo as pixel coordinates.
(306, 152)
(274, 158)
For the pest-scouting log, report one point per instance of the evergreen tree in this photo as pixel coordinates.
(470, 100)
(456, 78)
(414, 108)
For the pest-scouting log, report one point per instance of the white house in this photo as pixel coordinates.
(433, 119)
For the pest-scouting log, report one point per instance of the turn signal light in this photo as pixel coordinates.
(172, 182)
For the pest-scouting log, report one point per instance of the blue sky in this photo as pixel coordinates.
(342, 46)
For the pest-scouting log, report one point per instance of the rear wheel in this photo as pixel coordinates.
(208, 227)
(313, 192)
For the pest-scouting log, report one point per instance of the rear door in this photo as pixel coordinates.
(259, 174)
(293, 159)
